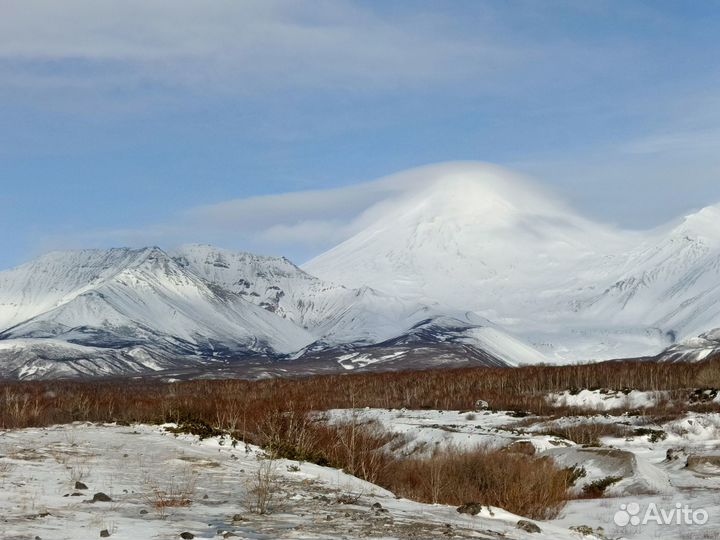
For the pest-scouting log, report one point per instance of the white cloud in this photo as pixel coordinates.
(296, 224)
(302, 224)
(240, 46)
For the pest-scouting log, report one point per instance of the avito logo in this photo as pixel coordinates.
(632, 514)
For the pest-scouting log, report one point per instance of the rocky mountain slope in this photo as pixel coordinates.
(200, 308)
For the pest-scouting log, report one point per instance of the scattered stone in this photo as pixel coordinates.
(528, 526)
(229, 534)
(481, 405)
(703, 395)
(80, 485)
(104, 533)
(101, 497)
(584, 530)
(471, 508)
(376, 506)
(187, 536)
(653, 435)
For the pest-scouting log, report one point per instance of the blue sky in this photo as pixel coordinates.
(133, 122)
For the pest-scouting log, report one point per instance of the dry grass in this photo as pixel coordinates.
(5, 470)
(587, 433)
(528, 486)
(176, 492)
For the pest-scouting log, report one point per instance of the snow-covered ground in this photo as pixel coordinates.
(481, 238)
(607, 400)
(681, 467)
(668, 466)
(38, 498)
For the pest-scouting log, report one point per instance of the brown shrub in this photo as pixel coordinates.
(529, 486)
(171, 493)
(587, 433)
(278, 415)
(239, 405)
(708, 376)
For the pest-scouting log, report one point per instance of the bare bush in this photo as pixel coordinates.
(708, 375)
(5, 470)
(176, 492)
(528, 486)
(359, 449)
(587, 433)
(21, 409)
(281, 415)
(263, 488)
(519, 389)
(79, 469)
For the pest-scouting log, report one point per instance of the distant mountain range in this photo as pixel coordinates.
(472, 266)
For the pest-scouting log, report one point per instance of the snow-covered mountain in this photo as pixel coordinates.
(129, 311)
(140, 302)
(477, 237)
(333, 314)
(460, 263)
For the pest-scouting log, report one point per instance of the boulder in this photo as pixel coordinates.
(528, 526)
(471, 508)
(481, 405)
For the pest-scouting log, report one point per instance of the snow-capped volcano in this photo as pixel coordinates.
(480, 238)
(458, 263)
(475, 237)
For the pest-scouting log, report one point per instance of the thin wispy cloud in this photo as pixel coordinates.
(240, 47)
(297, 224)
(246, 122)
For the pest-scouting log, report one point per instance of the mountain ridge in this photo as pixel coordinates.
(460, 262)
(537, 266)
(124, 310)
